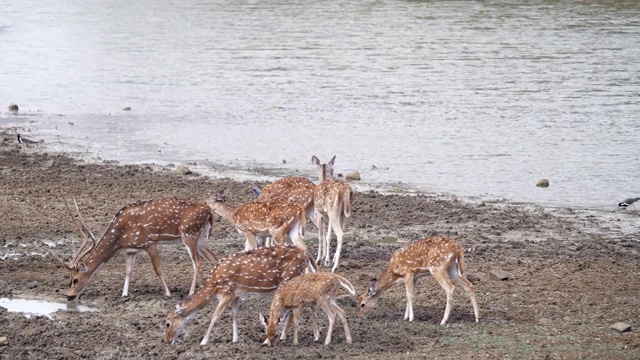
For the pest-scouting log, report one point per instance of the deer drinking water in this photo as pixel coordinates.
(260, 218)
(442, 257)
(142, 226)
(307, 290)
(254, 272)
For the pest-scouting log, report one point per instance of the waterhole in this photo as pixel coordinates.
(40, 307)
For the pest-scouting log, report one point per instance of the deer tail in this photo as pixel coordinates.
(345, 284)
(347, 194)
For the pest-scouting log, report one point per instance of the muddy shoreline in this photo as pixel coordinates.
(567, 282)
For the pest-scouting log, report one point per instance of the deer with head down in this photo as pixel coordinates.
(253, 272)
(440, 256)
(309, 290)
(142, 226)
(262, 218)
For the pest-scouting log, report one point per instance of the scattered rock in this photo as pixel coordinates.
(13, 108)
(621, 327)
(473, 277)
(128, 108)
(543, 183)
(544, 322)
(373, 167)
(499, 274)
(183, 170)
(352, 175)
(3, 341)
(349, 264)
(512, 260)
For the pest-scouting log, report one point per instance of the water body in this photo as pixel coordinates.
(478, 99)
(40, 307)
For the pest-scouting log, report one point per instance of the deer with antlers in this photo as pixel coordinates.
(307, 290)
(440, 256)
(333, 198)
(298, 190)
(141, 227)
(262, 218)
(254, 272)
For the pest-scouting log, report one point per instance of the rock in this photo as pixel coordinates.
(3, 341)
(346, 300)
(474, 278)
(352, 175)
(349, 264)
(499, 274)
(543, 183)
(183, 170)
(13, 108)
(512, 260)
(128, 108)
(544, 322)
(620, 326)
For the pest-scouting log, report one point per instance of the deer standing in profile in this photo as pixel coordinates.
(307, 290)
(440, 256)
(261, 218)
(141, 227)
(332, 197)
(254, 272)
(299, 190)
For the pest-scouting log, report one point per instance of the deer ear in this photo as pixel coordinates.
(263, 321)
(372, 288)
(283, 318)
(180, 308)
(83, 267)
(315, 161)
(333, 159)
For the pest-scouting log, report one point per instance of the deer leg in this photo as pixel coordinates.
(250, 243)
(130, 264)
(409, 284)
(343, 318)
(296, 322)
(222, 305)
(296, 237)
(235, 306)
(468, 287)
(320, 223)
(327, 242)
(340, 235)
(204, 249)
(191, 244)
(314, 322)
(331, 314)
(443, 279)
(157, 266)
(285, 327)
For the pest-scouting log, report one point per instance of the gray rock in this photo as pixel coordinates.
(128, 108)
(499, 274)
(346, 300)
(544, 322)
(543, 183)
(13, 108)
(474, 278)
(3, 341)
(512, 260)
(352, 175)
(349, 264)
(183, 170)
(621, 327)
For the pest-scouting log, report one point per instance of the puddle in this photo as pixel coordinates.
(40, 307)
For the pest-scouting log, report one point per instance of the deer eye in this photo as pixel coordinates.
(168, 324)
(363, 305)
(75, 280)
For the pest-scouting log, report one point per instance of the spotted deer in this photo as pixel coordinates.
(253, 272)
(440, 256)
(307, 290)
(261, 218)
(298, 189)
(333, 198)
(142, 226)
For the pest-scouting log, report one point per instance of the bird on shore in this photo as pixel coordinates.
(24, 141)
(627, 202)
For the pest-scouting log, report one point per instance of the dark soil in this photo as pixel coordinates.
(569, 280)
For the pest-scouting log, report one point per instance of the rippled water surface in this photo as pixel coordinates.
(476, 98)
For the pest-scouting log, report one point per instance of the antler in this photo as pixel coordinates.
(85, 234)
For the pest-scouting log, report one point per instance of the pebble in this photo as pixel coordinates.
(621, 327)
(499, 274)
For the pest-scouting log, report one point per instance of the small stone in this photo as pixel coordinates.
(346, 300)
(3, 341)
(512, 260)
(543, 183)
(352, 175)
(183, 170)
(128, 108)
(474, 278)
(544, 322)
(620, 326)
(349, 264)
(499, 274)
(13, 108)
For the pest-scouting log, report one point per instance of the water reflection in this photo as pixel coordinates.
(40, 307)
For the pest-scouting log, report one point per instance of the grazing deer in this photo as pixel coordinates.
(253, 272)
(258, 218)
(332, 197)
(298, 190)
(142, 226)
(441, 257)
(307, 290)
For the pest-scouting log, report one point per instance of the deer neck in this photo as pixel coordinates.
(106, 248)
(386, 280)
(225, 210)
